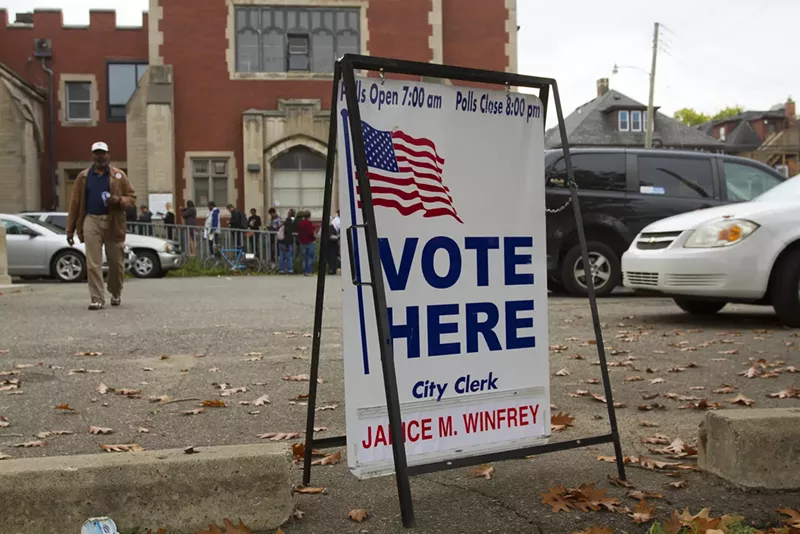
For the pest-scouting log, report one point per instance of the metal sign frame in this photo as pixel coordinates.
(344, 71)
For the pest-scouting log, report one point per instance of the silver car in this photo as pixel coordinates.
(37, 249)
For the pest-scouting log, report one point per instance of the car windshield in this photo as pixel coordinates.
(788, 191)
(52, 228)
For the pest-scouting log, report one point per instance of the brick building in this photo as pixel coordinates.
(224, 100)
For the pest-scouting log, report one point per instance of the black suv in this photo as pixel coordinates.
(623, 190)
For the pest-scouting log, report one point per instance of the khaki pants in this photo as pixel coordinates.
(95, 229)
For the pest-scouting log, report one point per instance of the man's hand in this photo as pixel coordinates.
(70, 240)
(114, 200)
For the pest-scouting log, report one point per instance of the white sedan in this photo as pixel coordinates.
(747, 253)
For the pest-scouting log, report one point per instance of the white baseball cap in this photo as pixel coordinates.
(100, 146)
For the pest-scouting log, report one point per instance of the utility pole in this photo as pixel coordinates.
(648, 136)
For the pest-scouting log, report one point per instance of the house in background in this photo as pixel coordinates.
(767, 136)
(614, 119)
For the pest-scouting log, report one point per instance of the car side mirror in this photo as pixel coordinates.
(30, 233)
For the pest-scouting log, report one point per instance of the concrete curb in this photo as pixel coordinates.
(169, 489)
(13, 289)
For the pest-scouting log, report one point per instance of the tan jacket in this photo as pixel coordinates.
(119, 187)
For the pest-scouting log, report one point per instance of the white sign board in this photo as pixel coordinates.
(157, 204)
(457, 180)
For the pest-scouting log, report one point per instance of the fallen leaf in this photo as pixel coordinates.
(579, 393)
(653, 464)
(331, 459)
(147, 369)
(262, 400)
(4, 422)
(770, 374)
(311, 491)
(648, 424)
(486, 471)
(132, 447)
(4, 456)
(643, 513)
(277, 436)
(143, 430)
(65, 407)
(651, 406)
(650, 396)
(562, 372)
(99, 430)
(679, 484)
(190, 450)
(633, 379)
(752, 372)
(791, 369)
(592, 381)
(729, 352)
(599, 398)
(697, 388)
(298, 514)
(196, 411)
(657, 381)
(614, 481)
(320, 428)
(556, 497)
(162, 398)
(794, 517)
(658, 439)
(702, 405)
(213, 403)
(741, 399)
(358, 515)
(790, 393)
(327, 407)
(560, 421)
(29, 444)
(88, 353)
(725, 388)
(102, 389)
(127, 392)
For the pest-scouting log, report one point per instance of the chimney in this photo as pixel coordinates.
(791, 114)
(602, 86)
(24, 18)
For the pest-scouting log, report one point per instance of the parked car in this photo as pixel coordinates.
(154, 256)
(749, 252)
(621, 191)
(39, 249)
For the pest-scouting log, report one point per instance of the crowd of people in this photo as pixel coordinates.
(294, 236)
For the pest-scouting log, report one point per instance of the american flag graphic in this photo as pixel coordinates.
(405, 174)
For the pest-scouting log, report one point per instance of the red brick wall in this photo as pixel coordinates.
(75, 51)
(474, 33)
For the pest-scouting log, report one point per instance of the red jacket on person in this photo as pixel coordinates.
(305, 232)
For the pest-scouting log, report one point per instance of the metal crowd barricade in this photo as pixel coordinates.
(191, 240)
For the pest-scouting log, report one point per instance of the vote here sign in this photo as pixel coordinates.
(457, 181)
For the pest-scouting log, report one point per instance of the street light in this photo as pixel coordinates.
(650, 118)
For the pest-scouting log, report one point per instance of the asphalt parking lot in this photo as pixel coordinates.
(184, 338)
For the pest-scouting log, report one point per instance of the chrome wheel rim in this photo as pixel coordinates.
(143, 266)
(600, 270)
(69, 267)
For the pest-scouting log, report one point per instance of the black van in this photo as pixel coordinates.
(623, 190)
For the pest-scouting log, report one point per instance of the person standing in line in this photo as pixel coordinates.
(100, 196)
(286, 235)
(273, 225)
(130, 218)
(211, 226)
(145, 220)
(189, 216)
(333, 244)
(169, 221)
(305, 234)
(254, 225)
(238, 223)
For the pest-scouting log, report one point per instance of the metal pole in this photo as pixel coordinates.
(53, 192)
(587, 269)
(648, 138)
(321, 272)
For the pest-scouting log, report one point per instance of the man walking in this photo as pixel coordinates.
(97, 213)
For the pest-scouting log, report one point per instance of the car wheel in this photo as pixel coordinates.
(605, 270)
(69, 266)
(699, 307)
(786, 290)
(146, 265)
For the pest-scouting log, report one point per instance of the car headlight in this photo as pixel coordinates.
(721, 233)
(169, 248)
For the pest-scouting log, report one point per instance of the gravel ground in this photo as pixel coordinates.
(184, 337)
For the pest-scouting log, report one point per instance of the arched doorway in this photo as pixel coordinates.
(298, 181)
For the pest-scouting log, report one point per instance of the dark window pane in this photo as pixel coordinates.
(79, 111)
(58, 220)
(299, 158)
(298, 52)
(117, 112)
(322, 52)
(745, 182)
(220, 191)
(79, 91)
(596, 172)
(201, 194)
(247, 51)
(12, 228)
(121, 83)
(274, 56)
(676, 177)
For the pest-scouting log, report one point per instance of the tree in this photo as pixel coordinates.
(728, 112)
(691, 117)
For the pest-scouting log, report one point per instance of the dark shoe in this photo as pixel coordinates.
(96, 305)
(116, 300)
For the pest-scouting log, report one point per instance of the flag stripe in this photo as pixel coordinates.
(406, 195)
(406, 182)
(420, 164)
(397, 134)
(409, 210)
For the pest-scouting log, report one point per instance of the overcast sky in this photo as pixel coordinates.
(713, 53)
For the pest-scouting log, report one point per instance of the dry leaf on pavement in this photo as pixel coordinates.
(4, 421)
(262, 400)
(725, 388)
(657, 381)
(331, 459)
(309, 490)
(752, 372)
(29, 444)
(653, 464)
(633, 379)
(162, 398)
(298, 514)
(641, 495)
(702, 405)
(196, 411)
(658, 439)
(651, 406)
(679, 484)
(790, 393)
(741, 399)
(794, 517)
(230, 528)
(614, 481)
(643, 513)
(88, 353)
(358, 515)
(563, 372)
(213, 403)
(486, 471)
(100, 430)
(278, 436)
(131, 447)
(48, 433)
(327, 407)
(66, 407)
(560, 421)
(102, 389)
(4, 456)
(556, 497)
(127, 392)
(143, 430)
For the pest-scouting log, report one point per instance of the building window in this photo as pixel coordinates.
(210, 177)
(624, 125)
(79, 101)
(270, 39)
(298, 181)
(122, 80)
(636, 121)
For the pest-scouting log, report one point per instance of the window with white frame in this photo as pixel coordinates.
(79, 101)
(624, 123)
(283, 39)
(298, 181)
(636, 121)
(210, 178)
